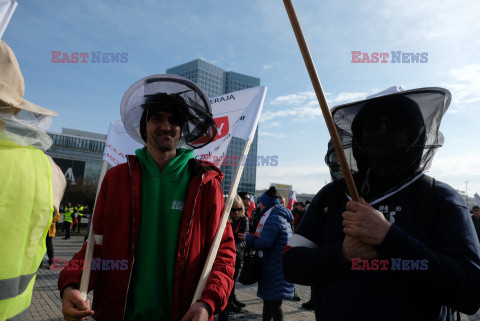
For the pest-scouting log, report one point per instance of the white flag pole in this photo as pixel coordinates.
(212, 254)
(91, 241)
(6, 12)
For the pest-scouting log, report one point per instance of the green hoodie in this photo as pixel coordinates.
(163, 198)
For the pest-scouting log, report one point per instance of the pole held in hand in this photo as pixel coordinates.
(352, 190)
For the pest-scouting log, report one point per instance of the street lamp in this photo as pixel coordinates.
(466, 192)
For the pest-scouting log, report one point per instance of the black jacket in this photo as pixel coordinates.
(446, 265)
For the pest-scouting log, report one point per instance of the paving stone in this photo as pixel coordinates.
(46, 304)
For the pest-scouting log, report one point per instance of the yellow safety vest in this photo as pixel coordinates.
(79, 210)
(25, 200)
(67, 217)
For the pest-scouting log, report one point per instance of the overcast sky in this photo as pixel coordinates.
(255, 38)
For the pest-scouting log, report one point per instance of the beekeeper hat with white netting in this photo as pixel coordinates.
(417, 111)
(175, 94)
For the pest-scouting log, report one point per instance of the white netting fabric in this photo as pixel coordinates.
(25, 128)
(418, 111)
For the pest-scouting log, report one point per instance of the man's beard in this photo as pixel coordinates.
(162, 144)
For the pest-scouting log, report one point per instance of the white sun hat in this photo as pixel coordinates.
(12, 84)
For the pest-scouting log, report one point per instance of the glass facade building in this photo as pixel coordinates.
(216, 82)
(209, 77)
(79, 154)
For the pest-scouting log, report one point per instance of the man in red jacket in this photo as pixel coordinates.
(157, 215)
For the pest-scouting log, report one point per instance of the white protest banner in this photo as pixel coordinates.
(477, 198)
(7, 7)
(246, 120)
(236, 115)
(119, 144)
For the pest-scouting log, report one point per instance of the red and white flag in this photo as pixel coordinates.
(291, 201)
(251, 207)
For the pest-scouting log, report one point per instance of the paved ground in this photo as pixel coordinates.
(46, 304)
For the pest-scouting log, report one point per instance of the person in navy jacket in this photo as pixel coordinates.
(270, 238)
(386, 257)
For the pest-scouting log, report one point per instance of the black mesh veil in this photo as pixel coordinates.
(172, 93)
(419, 110)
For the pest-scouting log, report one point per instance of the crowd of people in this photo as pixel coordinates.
(407, 249)
(72, 218)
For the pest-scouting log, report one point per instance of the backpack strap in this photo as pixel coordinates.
(423, 197)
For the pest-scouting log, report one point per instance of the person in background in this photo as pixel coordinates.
(79, 214)
(246, 202)
(300, 210)
(239, 223)
(51, 234)
(67, 222)
(270, 238)
(296, 296)
(65, 210)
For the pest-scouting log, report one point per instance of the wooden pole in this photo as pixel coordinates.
(212, 254)
(321, 100)
(91, 241)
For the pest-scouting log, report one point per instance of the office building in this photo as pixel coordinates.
(79, 155)
(215, 82)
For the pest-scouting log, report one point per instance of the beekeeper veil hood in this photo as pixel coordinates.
(390, 138)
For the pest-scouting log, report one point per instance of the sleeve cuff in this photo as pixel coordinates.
(72, 284)
(396, 243)
(210, 306)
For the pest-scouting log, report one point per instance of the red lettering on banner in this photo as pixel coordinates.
(223, 127)
(113, 159)
(115, 151)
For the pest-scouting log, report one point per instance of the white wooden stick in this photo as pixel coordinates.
(91, 241)
(212, 254)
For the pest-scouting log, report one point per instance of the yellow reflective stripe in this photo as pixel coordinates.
(67, 217)
(22, 316)
(14, 308)
(10, 288)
